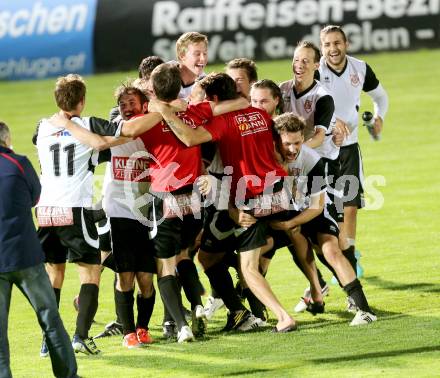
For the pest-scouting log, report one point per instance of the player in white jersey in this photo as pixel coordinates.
(192, 56)
(315, 220)
(132, 249)
(345, 78)
(67, 229)
(307, 98)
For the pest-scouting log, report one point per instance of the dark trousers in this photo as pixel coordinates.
(34, 283)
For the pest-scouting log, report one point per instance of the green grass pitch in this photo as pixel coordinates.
(399, 244)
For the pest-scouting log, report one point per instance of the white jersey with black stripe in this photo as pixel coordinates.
(66, 164)
(127, 179)
(346, 87)
(307, 174)
(315, 105)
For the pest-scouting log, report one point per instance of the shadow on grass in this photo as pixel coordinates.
(383, 354)
(390, 285)
(246, 372)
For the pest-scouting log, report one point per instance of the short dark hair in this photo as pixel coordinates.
(275, 91)
(219, 84)
(312, 46)
(69, 91)
(289, 123)
(246, 64)
(147, 66)
(333, 29)
(129, 88)
(166, 81)
(4, 133)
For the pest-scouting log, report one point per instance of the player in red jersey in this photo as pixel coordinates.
(245, 143)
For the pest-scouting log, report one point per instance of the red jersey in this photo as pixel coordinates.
(174, 165)
(246, 144)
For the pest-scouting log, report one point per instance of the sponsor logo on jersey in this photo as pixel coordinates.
(354, 80)
(180, 205)
(250, 123)
(54, 216)
(127, 169)
(308, 106)
(267, 204)
(62, 133)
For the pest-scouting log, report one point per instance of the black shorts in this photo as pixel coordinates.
(324, 223)
(175, 231)
(280, 240)
(218, 231)
(255, 236)
(105, 241)
(132, 247)
(74, 243)
(350, 160)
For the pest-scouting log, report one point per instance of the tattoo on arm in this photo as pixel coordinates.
(174, 127)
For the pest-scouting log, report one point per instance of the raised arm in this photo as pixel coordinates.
(140, 125)
(227, 106)
(97, 142)
(188, 136)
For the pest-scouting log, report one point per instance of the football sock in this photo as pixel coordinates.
(354, 290)
(190, 281)
(214, 294)
(124, 304)
(57, 295)
(88, 304)
(145, 308)
(231, 260)
(321, 279)
(170, 294)
(221, 281)
(257, 308)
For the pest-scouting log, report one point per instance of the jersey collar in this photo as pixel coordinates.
(339, 74)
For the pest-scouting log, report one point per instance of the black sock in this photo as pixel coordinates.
(57, 295)
(231, 260)
(321, 279)
(88, 304)
(118, 318)
(354, 290)
(349, 254)
(221, 281)
(145, 308)
(124, 305)
(169, 291)
(257, 308)
(190, 281)
(321, 258)
(214, 294)
(166, 314)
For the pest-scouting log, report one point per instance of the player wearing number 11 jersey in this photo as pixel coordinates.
(66, 228)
